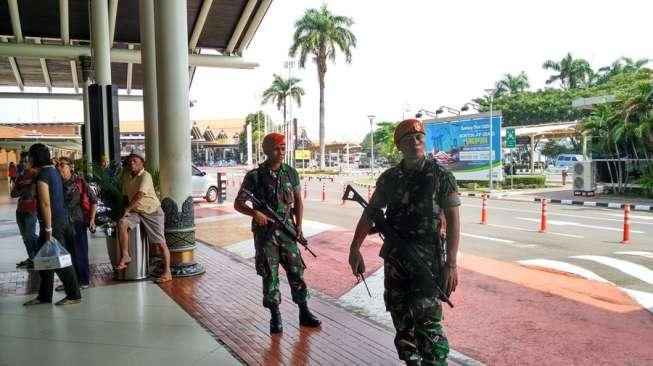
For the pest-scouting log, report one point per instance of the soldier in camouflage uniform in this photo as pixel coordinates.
(277, 184)
(415, 193)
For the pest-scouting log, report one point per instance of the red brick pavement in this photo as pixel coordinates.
(226, 300)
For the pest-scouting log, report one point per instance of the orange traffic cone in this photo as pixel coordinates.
(543, 226)
(626, 239)
(484, 210)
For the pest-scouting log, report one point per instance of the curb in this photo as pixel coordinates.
(634, 207)
(597, 204)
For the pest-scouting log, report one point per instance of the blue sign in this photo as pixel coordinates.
(463, 145)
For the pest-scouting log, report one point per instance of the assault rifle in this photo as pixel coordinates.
(278, 220)
(390, 237)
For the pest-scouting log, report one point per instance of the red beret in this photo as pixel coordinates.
(272, 140)
(407, 127)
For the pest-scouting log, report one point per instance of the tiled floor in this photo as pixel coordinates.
(127, 324)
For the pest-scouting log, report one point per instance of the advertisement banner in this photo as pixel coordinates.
(302, 154)
(462, 145)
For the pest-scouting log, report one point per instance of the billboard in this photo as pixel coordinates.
(462, 145)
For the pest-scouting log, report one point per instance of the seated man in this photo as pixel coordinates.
(143, 207)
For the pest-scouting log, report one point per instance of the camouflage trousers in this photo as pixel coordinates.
(270, 252)
(416, 315)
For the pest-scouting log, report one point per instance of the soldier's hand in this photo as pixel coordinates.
(260, 218)
(450, 279)
(356, 262)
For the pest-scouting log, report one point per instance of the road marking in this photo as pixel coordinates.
(534, 231)
(632, 269)
(631, 216)
(550, 212)
(505, 241)
(571, 223)
(641, 254)
(643, 298)
(565, 267)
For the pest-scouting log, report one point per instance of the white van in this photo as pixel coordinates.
(567, 160)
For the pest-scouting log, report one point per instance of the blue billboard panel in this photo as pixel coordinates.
(463, 146)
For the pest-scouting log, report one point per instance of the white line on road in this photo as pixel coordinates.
(626, 267)
(641, 254)
(644, 298)
(565, 267)
(631, 216)
(551, 212)
(534, 231)
(505, 241)
(571, 223)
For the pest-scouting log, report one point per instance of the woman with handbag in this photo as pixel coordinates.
(53, 223)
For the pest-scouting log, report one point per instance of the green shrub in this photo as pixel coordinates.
(526, 181)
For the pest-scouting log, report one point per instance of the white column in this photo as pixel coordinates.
(101, 56)
(249, 145)
(172, 103)
(148, 62)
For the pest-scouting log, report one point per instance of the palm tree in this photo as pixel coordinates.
(619, 66)
(279, 91)
(512, 84)
(571, 72)
(318, 33)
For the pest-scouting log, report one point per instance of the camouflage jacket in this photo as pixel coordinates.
(408, 196)
(274, 188)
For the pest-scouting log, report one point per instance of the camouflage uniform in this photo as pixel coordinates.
(273, 248)
(410, 294)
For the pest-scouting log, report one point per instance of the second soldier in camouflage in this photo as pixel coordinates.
(414, 193)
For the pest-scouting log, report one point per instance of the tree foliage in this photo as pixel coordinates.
(257, 120)
(280, 90)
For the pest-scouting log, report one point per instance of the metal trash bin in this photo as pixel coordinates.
(137, 269)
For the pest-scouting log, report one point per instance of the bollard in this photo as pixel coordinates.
(344, 189)
(306, 189)
(484, 210)
(564, 177)
(543, 219)
(323, 192)
(369, 193)
(626, 238)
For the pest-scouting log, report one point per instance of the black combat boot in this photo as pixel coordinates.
(275, 320)
(306, 318)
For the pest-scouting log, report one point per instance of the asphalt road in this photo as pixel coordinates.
(580, 240)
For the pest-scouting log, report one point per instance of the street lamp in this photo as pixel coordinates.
(290, 138)
(468, 105)
(490, 92)
(371, 117)
(422, 112)
(448, 109)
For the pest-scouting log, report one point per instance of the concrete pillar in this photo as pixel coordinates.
(148, 63)
(100, 43)
(249, 145)
(585, 156)
(174, 126)
(532, 154)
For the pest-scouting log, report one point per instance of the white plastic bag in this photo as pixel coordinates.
(52, 255)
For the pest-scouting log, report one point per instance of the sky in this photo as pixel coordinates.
(410, 55)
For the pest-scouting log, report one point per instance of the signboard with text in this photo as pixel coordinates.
(462, 145)
(302, 154)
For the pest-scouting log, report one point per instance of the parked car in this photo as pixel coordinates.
(566, 160)
(204, 186)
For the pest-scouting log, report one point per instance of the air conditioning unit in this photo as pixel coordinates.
(584, 177)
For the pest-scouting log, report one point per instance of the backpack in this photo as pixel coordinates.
(85, 200)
